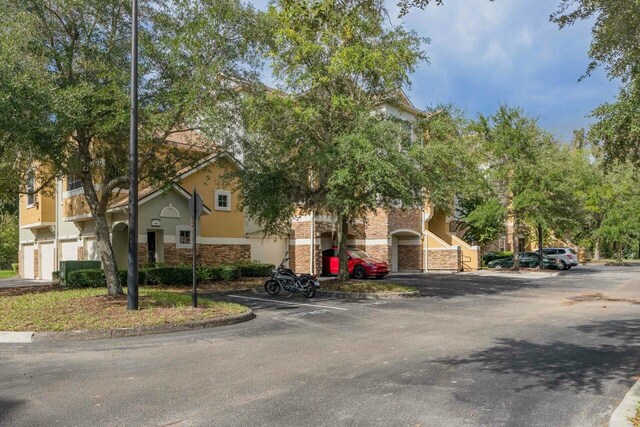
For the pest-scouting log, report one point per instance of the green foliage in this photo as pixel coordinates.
(224, 273)
(96, 279)
(255, 269)
(173, 276)
(614, 46)
(15, 267)
(183, 276)
(490, 256)
(65, 84)
(9, 238)
(316, 146)
(483, 219)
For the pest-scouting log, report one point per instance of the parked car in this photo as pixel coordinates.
(566, 257)
(527, 259)
(360, 264)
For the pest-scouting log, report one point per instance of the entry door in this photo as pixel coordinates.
(151, 245)
(47, 253)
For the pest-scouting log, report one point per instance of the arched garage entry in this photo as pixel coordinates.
(406, 251)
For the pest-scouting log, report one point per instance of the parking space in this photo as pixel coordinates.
(296, 309)
(470, 350)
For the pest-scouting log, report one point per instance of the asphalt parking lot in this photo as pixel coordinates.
(470, 350)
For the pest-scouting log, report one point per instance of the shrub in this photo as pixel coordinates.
(490, 256)
(95, 278)
(14, 267)
(255, 269)
(85, 279)
(177, 276)
(223, 272)
(182, 275)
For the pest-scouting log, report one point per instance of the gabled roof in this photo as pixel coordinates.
(149, 193)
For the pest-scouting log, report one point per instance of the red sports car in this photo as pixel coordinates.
(360, 264)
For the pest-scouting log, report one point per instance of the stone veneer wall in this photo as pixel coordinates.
(405, 220)
(81, 253)
(381, 252)
(409, 257)
(444, 259)
(377, 226)
(36, 263)
(205, 254)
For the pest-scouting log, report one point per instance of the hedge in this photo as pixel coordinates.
(222, 272)
(178, 276)
(490, 256)
(173, 275)
(95, 278)
(254, 269)
(182, 275)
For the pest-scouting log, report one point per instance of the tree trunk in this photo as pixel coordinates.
(343, 269)
(98, 208)
(596, 250)
(516, 243)
(107, 255)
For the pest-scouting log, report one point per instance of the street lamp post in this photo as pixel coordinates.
(132, 270)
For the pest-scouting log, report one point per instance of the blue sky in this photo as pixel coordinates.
(483, 54)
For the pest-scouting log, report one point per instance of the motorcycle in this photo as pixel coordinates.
(284, 279)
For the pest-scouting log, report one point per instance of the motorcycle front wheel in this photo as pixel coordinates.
(272, 287)
(310, 291)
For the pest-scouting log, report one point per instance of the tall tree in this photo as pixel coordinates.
(64, 87)
(526, 167)
(615, 47)
(320, 144)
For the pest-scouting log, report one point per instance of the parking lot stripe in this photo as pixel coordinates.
(287, 302)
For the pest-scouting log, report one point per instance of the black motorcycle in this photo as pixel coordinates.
(284, 279)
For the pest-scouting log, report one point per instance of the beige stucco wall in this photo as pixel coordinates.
(207, 181)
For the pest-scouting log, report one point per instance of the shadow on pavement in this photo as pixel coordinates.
(447, 286)
(7, 406)
(628, 330)
(560, 365)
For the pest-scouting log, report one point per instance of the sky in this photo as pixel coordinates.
(483, 54)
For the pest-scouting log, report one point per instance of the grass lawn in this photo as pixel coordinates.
(368, 287)
(635, 421)
(4, 274)
(80, 309)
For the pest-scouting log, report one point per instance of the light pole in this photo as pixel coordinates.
(132, 270)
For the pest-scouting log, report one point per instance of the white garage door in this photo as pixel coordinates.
(268, 251)
(27, 262)
(47, 253)
(69, 251)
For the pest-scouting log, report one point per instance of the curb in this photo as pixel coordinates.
(372, 296)
(130, 332)
(627, 408)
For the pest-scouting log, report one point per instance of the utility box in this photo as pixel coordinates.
(68, 266)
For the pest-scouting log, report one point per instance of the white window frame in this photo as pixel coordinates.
(73, 180)
(180, 228)
(31, 175)
(222, 193)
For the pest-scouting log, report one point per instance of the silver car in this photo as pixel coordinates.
(566, 256)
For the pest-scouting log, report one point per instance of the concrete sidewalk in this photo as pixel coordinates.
(16, 282)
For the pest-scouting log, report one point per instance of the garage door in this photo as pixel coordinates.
(27, 262)
(69, 251)
(268, 251)
(47, 254)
